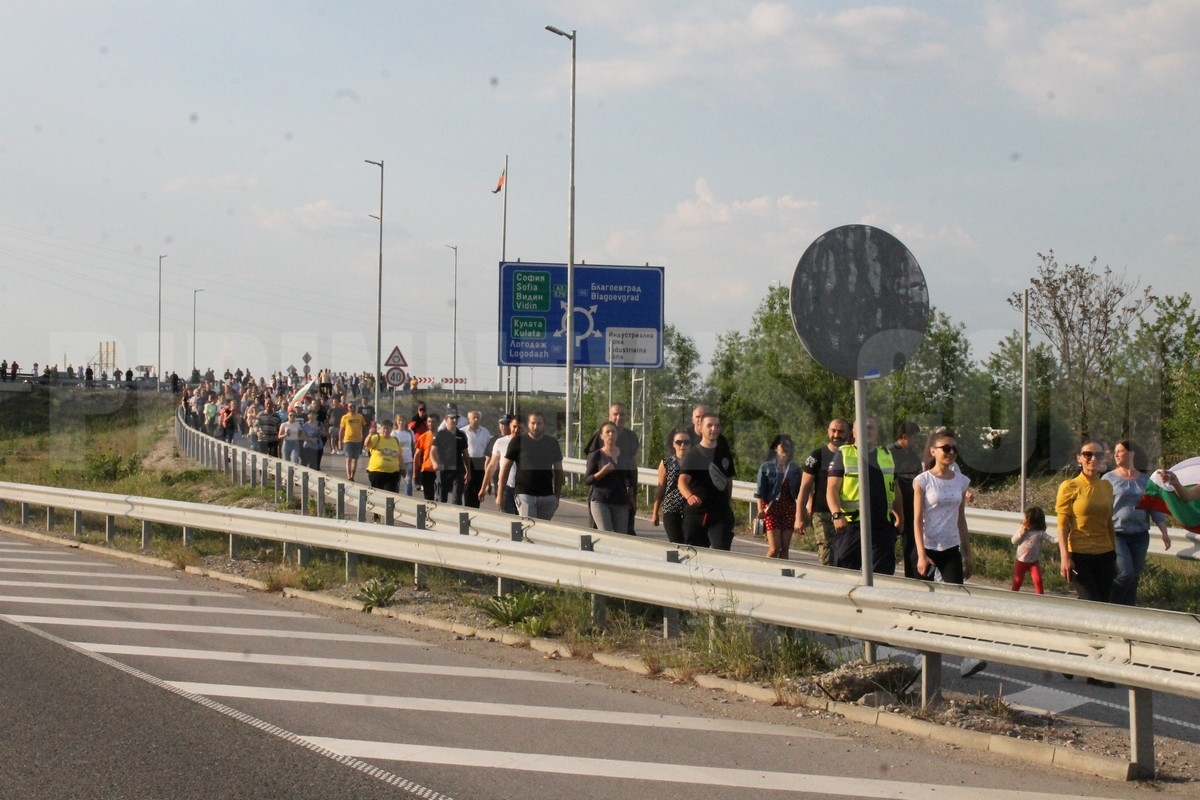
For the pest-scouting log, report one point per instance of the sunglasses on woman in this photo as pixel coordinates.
(682, 443)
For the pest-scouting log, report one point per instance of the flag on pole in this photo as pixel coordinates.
(500, 183)
(1164, 499)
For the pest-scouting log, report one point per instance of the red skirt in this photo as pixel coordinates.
(781, 516)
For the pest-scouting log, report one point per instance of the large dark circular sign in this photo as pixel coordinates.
(859, 302)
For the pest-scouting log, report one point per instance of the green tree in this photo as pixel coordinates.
(931, 384)
(1161, 362)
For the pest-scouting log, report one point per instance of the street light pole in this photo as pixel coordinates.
(570, 332)
(379, 304)
(454, 334)
(158, 361)
(194, 293)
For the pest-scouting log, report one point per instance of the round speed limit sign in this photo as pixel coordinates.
(396, 377)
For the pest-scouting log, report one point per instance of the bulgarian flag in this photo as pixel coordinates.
(1164, 499)
(500, 183)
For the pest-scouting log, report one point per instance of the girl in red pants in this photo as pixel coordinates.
(1029, 542)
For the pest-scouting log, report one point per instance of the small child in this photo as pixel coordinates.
(1029, 548)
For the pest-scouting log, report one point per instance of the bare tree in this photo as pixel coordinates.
(1085, 313)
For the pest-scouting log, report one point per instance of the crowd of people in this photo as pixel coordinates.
(918, 494)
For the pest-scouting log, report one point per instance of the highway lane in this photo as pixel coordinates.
(1034, 690)
(121, 678)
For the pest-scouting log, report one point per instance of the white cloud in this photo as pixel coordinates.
(316, 216)
(1095, 60)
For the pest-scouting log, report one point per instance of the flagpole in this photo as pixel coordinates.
(503, 257)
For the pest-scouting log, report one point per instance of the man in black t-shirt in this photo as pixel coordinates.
(537, 458)
(811, 505)
(706, 483)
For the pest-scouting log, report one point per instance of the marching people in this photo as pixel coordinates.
(668, 502)
(887, 512)
(812, 505)
(1131, 525)
(1029, 540)
(608, 499)
(939, 513)
(776, 488)
(706, 483)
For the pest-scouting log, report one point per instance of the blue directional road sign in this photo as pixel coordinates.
(618, 315)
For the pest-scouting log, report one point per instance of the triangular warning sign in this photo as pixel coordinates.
(396, 359)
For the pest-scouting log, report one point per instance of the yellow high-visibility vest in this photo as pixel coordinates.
(850, 479)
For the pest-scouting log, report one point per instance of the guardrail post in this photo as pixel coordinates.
(26, 513)
(320, 495)
(278, 480)
(304, 493)
(931, 678)
(464, 523)
(341, 501)
(671, 615)
(351, 567)
(77, 524)
(597, 603)
(1141, 731)
(146, 534)
(188, 534)
(422, 517)
(110, 528)
(291, 484)
(505, 585)
(227, 467)
(253, 471)
(245, 467)
(49, 518)
(389, 511)
(266, 470)
(362, 505)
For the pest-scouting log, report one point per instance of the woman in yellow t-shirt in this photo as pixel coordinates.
(1086, 541)
(385, 467)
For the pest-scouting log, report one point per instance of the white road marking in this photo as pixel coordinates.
(1045, 699)
(523, 712)
(83, 587)
(80, 622)
(54, 601)
(669, 773)
(70, 573)
(327, 663)
(67, 559)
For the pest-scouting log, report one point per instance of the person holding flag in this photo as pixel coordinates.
(1176, 491)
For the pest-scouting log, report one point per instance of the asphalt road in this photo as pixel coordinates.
(124, 681)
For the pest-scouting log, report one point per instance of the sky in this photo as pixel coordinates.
(716, 138)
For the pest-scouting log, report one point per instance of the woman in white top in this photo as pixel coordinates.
(939, 513)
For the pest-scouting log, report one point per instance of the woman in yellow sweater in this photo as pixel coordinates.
(1086, 540)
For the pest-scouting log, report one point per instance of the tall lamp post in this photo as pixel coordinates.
(454, 333)
(570, 332)
(379, 304)
(158, 361)
(194, 293)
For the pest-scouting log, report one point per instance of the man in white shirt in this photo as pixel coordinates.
(477, 441)
(508, 428)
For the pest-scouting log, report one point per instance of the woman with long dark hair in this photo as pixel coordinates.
(777, 487)
(1086, 537)
(668, 502)
(939, 513)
